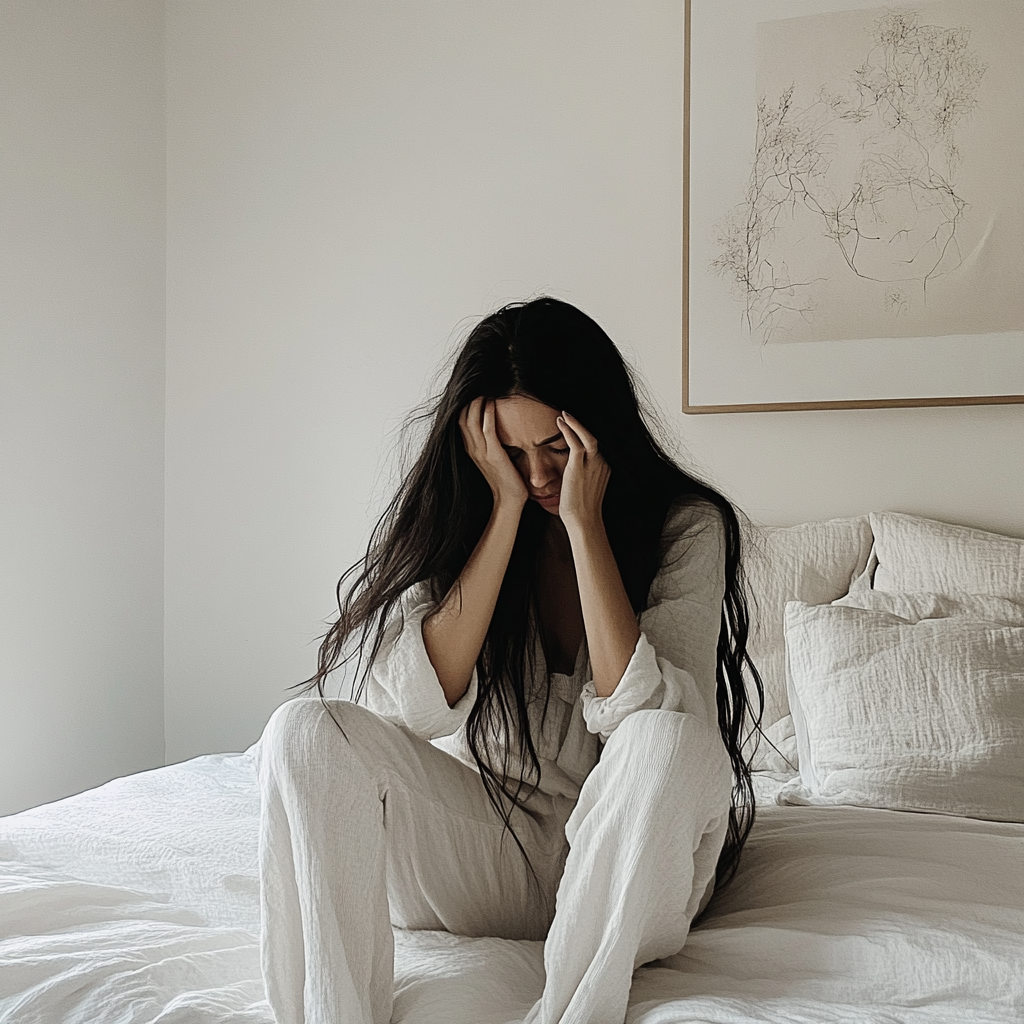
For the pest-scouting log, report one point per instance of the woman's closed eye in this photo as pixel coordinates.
(515, 453)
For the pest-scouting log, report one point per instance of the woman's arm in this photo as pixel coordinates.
(454, 634)
(608, 617)
(674, 665)
(669, 658)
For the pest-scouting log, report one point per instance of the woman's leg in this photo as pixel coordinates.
(645, 838)
(349, 820)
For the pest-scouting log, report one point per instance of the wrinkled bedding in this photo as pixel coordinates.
(138, 902)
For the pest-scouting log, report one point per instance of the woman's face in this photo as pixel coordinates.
(529, 434)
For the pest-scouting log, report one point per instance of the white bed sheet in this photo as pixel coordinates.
(138, 902)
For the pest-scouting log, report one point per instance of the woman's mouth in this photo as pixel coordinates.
(547, 500)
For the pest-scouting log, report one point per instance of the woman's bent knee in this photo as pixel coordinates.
(306, 734)
(293, 723)
(303, 731)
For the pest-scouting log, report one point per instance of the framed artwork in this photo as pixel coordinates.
(853, 207)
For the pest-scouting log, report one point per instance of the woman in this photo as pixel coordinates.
(557, 605)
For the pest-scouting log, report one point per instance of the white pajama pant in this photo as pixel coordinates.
(378, 827)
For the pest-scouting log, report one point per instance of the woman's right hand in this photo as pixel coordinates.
(476, 421)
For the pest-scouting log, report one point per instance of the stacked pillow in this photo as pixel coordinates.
(814, 563)
(908, 693)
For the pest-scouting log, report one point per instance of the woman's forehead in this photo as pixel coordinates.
(523, 422)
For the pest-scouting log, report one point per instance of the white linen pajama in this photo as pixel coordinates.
(379, 826)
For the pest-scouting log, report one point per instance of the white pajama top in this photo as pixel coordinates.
(672, 667)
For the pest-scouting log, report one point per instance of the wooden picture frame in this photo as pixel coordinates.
(891, 274)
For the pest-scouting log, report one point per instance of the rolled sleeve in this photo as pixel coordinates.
(649, 683)
(673, 666)
(402, 685)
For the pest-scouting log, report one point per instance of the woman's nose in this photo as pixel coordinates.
(538, 474)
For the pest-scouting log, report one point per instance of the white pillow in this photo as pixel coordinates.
(813, 562)
(914, 607)
(915, 704)
(915, 554)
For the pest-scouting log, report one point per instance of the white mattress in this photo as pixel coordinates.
(138, 901)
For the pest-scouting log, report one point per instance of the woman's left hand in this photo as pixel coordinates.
(585, 478)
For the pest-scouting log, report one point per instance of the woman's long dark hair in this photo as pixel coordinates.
(548, 350)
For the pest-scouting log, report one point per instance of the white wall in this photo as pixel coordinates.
(81, 394)
(348, 182)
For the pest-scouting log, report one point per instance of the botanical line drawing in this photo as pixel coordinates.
(867, 168)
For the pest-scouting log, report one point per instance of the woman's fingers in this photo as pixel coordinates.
(572, 439)
(584, 436)
(487, 423)
(576, 438)
(469, 421)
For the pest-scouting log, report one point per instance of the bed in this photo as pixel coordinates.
(138, 901)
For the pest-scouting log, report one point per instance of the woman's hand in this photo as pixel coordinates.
(476, 422)
(585, 479)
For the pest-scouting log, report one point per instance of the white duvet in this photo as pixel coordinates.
(138, 902)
